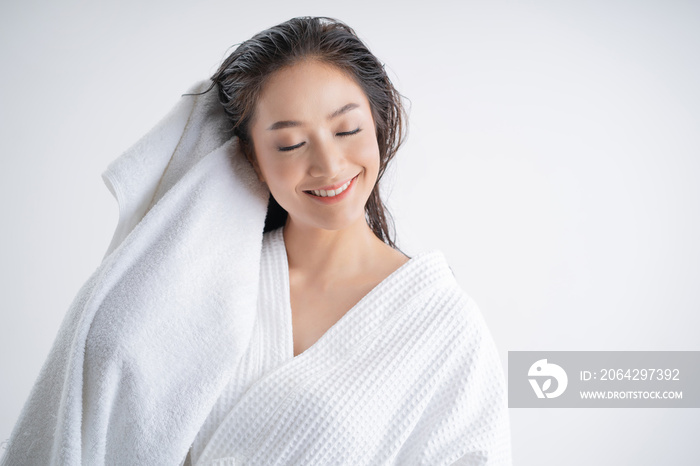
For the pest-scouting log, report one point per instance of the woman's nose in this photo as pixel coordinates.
(326, 160)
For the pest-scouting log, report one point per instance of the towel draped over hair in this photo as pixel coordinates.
(155, 333)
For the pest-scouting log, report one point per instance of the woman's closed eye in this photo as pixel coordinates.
(288, 148)
(349, 133)
(296, 146)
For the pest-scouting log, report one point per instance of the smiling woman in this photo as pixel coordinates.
(316, 115)
(341, 350)
(319, 120)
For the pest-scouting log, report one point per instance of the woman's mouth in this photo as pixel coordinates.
(332, 195)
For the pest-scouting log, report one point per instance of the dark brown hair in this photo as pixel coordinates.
(243, 74)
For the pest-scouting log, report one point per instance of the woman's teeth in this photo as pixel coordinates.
(331, 193)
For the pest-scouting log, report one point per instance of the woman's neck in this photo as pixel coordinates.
(329, 257)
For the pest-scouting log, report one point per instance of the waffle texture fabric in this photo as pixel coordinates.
(410, 375)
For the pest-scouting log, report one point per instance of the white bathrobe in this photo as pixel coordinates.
(174, 344)
(409, 375)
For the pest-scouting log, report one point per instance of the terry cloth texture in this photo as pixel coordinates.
(154, 335)
(410, 375)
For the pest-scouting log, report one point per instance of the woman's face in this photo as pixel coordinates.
(315, 145)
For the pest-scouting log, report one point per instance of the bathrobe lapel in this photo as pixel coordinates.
(267, 408)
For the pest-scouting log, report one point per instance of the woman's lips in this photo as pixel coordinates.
(331, 186)
(337, 197)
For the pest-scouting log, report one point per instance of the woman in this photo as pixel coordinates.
(317, 342)
(319, 120)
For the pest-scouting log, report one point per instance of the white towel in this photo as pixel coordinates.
(155, 333)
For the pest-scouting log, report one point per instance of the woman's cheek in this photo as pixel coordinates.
(284, 174)
(370, 152)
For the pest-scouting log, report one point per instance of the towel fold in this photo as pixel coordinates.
(157, 330)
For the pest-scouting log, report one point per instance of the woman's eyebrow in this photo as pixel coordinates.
(284, 124)
(291, 123)
(344, 109)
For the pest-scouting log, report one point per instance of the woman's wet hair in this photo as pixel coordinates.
(242, 76)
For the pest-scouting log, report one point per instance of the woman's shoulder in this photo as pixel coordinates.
(444, 290)
(469, 338)
(432, 267)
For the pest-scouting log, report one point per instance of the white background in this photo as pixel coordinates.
(553, 156)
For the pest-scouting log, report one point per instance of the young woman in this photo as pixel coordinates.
(385, 359)
(253, 307)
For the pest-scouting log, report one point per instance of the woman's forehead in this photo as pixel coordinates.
(309, 90)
